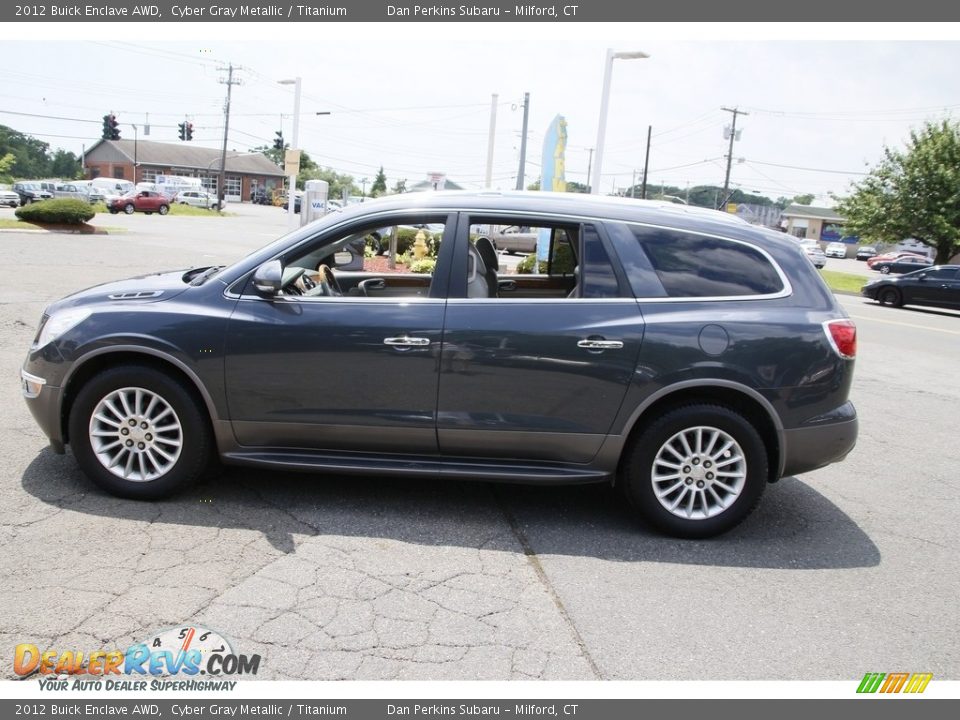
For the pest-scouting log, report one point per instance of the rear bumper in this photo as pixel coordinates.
(824, 440)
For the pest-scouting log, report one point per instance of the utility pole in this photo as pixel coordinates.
(733, 136)
(523, 141)
(222, 181)
(589, 168)
(493, 129)
(646, 164)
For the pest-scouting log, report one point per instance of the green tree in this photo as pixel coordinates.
(32, 160)
(66, 165)
(914, 192)
(379, 186)
(340, 183)
(803, 199)
(6, 164)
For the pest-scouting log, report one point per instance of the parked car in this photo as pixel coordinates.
(198, 198)
(836, 250)
(72, 191)
(679, 352)
(865, 252)
(8, 197)
(513, 239)
(145, 201)
(888, 257)
(96, 195)
(31, 192)
(811, 249)
(905, 264)
(938, 286)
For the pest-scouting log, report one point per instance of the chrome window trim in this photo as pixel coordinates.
(787, 290)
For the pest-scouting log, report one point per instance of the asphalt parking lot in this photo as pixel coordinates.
(842, 571)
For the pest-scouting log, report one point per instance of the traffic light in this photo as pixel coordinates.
(183, 130)
(189, 131)
(278, 142)
(111, 128)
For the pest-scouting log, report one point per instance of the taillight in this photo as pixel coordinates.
(842, 335)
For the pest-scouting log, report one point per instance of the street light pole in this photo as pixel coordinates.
(604, 102)
(294, 147)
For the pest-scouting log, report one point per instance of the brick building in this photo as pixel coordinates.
(245, 171)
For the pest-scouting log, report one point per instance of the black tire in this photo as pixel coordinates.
(129, 208)
(163, 209)
(890, 296)
(885, 269)
(636, 484)
(196, 449)
(113, 211)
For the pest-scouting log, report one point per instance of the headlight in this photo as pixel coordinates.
(58, 323)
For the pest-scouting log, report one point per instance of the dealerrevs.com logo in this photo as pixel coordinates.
(912, 683)
(182, 652)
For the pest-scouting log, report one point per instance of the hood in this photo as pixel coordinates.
(155, 287)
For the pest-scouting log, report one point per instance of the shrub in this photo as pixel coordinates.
(62, 211)
(562, 262)
(406, 236)
(425, 265)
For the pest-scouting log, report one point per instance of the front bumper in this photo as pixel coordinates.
(825, 440)
(43, 400)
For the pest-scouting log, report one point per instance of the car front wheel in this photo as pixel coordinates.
(885, 270)
(695, 472)
(138, 433)
(891, 297)
(129, 208)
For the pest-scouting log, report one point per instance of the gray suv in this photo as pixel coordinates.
(679, 354)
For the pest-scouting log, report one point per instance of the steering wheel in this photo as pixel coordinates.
(329, 281)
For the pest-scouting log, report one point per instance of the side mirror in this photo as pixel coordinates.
(268, 278)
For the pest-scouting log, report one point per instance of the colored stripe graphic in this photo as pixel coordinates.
(870, 682)
(895, 682)
(918, 682)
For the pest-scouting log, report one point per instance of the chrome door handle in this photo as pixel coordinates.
(406, 341)
(600, 344)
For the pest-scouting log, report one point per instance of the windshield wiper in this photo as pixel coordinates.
(199, 276)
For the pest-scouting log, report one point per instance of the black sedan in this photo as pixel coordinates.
(905, 264)
(866, 252)
(937, 286)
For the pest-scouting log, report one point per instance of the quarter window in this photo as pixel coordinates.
(698, 266)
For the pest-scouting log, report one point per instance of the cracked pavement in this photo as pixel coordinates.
(336, 578)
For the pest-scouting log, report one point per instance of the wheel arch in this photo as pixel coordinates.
(741, 399)
(107, 358)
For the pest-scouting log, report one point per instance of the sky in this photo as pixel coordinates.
(416, 98)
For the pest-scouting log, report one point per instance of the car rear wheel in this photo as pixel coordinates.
(695, 472)
(891, 297)
(138, 433)
(163, 209)
(129, 208)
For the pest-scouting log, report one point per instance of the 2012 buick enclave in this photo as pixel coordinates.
(681, 354)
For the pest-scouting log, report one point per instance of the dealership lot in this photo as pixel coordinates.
(844, 570)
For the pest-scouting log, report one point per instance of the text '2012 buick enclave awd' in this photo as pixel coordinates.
(680, 354)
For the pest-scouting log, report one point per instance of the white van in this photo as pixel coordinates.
(112, 186)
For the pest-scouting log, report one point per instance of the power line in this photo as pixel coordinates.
(808, 169)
